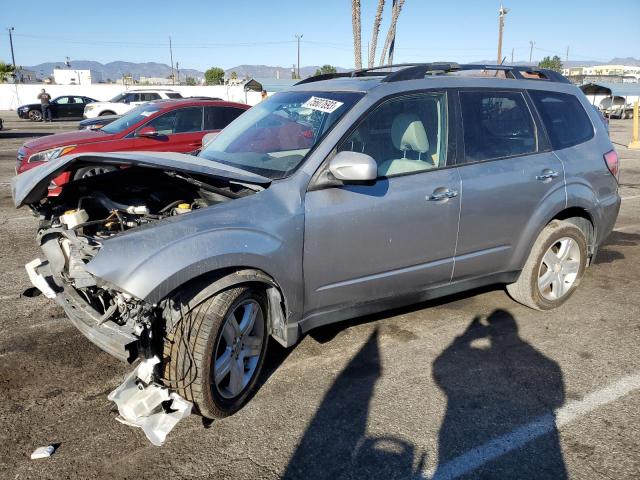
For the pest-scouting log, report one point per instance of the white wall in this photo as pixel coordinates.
(14, 95)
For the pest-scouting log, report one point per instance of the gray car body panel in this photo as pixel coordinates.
(308, 239)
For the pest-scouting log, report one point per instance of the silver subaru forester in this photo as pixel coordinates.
(346, 195)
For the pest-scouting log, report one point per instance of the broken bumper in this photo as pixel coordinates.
(116, 340)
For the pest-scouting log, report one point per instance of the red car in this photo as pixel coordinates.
(161, 126)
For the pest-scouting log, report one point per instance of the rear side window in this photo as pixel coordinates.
(147, 97)
(496, 125)
(217, 118)
(564, 118)
(173, 95)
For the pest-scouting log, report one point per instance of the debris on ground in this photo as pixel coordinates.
(147, 405)
(43, 452)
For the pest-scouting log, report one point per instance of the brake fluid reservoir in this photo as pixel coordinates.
(73, 218)
(182, 208)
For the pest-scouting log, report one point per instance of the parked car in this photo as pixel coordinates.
(97, 122)
(161, 126)
(64, 107)
(346, 195)
(125, 101)
(616, 106)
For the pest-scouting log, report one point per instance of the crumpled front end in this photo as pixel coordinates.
(114, 321)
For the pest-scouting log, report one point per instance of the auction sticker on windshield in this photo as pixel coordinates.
(323, 104)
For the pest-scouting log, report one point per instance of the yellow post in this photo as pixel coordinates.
(635, 143)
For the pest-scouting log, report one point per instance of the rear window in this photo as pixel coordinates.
(173, 95)
(497, 124)
(564, 117)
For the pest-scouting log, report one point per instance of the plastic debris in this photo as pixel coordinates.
(42, 452)
(142, 403)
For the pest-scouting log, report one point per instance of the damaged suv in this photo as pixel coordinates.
(347, 195)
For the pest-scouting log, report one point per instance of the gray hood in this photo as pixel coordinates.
(31, 186)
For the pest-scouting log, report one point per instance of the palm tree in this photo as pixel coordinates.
(374, 36)
(5, 70)
(391, 33)
(357, 41)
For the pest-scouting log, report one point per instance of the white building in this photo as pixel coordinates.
(70, 76)
(619, 70)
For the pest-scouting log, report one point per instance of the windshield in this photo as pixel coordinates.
(130, 118)
(274, 137)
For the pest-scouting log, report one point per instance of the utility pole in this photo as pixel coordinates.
(13, 58)
(178, 71)
(566, 58)
(531, 43)
(501, 14)
(298, 37)
(173, 78)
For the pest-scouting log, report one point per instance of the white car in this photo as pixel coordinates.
(125, 101)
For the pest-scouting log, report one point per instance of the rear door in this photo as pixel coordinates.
(507, 171)
(397, 236)
(61, 108)
(179, 130)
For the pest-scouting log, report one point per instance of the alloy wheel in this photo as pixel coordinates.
(239, 347)
(559, 268)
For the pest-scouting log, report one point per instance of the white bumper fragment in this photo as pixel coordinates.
(37, 279)
(140, 403)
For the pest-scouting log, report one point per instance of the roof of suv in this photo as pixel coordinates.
(441, 74)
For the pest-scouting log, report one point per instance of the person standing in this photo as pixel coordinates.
(45, 106)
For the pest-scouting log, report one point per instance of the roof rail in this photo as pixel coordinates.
(416, 71)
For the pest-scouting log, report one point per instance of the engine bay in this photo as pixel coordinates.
(111, 203)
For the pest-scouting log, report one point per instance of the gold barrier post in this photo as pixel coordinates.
(635, 143)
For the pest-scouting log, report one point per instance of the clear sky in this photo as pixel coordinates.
(229, 33)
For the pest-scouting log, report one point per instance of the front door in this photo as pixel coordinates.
(398, 235)
(179, 130)
(506, 173)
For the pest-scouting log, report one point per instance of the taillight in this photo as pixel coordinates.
(613, 163)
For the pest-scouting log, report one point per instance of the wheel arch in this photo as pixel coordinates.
(210, 283)
(581, 218)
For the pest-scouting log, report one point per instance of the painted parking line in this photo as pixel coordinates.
(474, 459)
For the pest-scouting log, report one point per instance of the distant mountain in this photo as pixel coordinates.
(114, 70)
(266, 71)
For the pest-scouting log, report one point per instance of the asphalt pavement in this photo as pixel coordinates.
(469, 386)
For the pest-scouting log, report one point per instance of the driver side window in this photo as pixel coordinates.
(404, 135)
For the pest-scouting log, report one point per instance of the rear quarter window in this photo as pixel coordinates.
(564, 118)
(173, 95)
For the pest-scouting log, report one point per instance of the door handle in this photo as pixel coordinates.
(442, 194)
(547, 175)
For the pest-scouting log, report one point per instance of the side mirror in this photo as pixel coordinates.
(353, 167)
(208, 138)
(148, 132)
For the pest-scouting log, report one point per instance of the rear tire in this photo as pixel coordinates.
(106, 112)
(554, 268)
(213, 353)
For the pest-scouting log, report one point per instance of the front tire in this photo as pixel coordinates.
(106, 112)
(554, 268)
(214, 353)
(35, 115)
